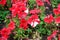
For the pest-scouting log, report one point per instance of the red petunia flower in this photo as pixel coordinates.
(3, 2)
(39, 3)
(23, 24)
(35, 11)
(11, 25)
(57, 20)
(56, 12)
(33, 20)
(48, 19)
(5, 32)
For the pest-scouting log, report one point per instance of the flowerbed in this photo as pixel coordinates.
(29, 19)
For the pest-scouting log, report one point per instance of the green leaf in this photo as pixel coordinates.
(31, 4)
(42, 16)
(29, 30)
(3, 15)
(48, 32)
(16, 20)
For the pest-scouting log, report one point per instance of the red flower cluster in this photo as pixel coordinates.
(33, 21)
(52, 35)
(3, 2)
(57, 10)
(5, 32)
(57, 13)
(19, 9)
(49, 19)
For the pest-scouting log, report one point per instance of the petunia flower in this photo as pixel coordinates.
(56, 12)
(11, 25)
(23, 24)
(33, 20)
(5, 32)
(49, 19)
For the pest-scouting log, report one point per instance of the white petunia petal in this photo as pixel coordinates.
(34, 24)
(26, 11)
